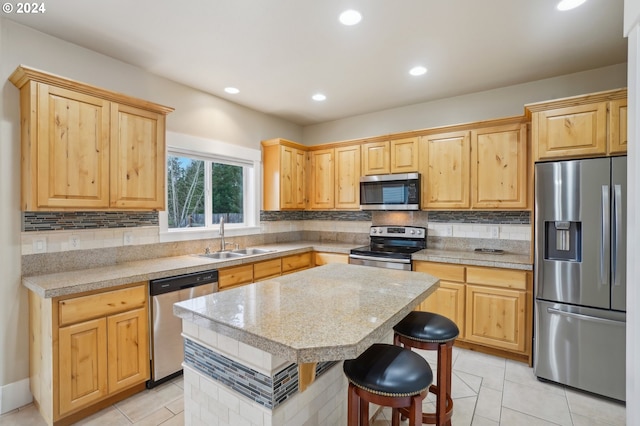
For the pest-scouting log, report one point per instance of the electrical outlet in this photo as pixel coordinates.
(74, 242)
(40, 245)
(448, 230)
(127, 238)
(494, 231)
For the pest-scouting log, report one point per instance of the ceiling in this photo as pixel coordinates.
(279, 53)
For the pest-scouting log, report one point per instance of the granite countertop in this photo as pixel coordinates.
(472, 258)
(332, 312)
(83, 280)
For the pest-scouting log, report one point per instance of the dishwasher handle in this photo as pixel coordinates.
(176, 283)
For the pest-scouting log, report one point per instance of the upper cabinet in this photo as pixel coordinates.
(481, 168)
(395, 156)
(85, 148)
(579, 127)
(347, 173)
(284, 175)
(322, 180)
(444, 166)
(499, 167)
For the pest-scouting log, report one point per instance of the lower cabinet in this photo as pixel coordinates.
(322, 258)
(87, 349)
(236, 276)
(491, 306)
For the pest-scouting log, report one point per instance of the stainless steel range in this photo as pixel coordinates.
(390, 247)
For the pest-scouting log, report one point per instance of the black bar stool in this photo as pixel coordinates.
(432, 332)
(389, 376)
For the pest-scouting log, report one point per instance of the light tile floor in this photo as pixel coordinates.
(487, 391)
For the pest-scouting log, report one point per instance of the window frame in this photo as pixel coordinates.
(219, 152)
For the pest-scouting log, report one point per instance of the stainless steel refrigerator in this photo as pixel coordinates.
(580, 274)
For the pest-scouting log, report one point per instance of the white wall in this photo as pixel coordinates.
(503, 102)
(632, 31)
(196, 113)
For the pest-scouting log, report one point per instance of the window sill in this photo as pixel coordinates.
(203, 234)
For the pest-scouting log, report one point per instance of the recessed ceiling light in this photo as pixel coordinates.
(419, 70)
(231, 90)
(350, 17)
(569, 4)
(319, 97)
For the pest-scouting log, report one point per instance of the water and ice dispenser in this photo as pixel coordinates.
(563, 241)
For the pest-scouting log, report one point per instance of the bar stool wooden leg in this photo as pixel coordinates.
(352, 406)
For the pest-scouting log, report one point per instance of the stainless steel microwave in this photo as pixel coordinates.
(399, 191)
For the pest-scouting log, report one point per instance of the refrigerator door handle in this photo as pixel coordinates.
(617, 225)
(584, 317)
(604, 224)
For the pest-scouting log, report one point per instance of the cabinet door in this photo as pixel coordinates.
(128, 349)
(347, 177)
(296, 262)
(404, 155)
(496, 317)
(325, 258)
(499, 167)
(82, 356)
(577, 131)
(292, 178)
(447, 300)
(618, 126)
(267, 269)
(236, 275)
(444, 164)
(138, 164)
(375, 158)
(72, 150)
(322, 180)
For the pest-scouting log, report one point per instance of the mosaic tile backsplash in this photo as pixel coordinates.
(266, 391)
(55, 221)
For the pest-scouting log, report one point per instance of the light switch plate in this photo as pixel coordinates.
(494, 231)
(448, 230)
(40, 245)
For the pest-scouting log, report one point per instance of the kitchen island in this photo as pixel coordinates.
(268, 353)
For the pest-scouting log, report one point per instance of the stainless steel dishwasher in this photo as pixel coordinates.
(167, 352)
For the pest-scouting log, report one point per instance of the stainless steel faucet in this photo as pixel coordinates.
(222, 243)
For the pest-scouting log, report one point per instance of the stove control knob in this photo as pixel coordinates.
(413, 231)
(374, 230)
(419, 231)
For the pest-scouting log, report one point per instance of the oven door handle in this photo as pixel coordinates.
(379, 259)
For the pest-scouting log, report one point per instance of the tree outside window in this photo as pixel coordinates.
(188, 205)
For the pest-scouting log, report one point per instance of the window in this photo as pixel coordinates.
(207, 181)
(200, 192)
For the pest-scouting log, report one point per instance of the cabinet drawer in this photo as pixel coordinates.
(101, 304)
(296, 261)
(324, 258)
(233, 276)
(441, 270)
(267, 269)
(497, 277)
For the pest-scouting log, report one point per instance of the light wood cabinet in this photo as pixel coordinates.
(322, 179)
(321, 258)
(347, 177)
(376, 158)
(284, 175)
(267, 269)
(499, 167)
(137, 158)
(444, 166)
(448, 299)
(490, 306)
(85, 148)
(618, 127)
(404, 155)
(395, 156)
(296, 262)
(86, 349)
(579, 127)
(496, 308)
(235, 276)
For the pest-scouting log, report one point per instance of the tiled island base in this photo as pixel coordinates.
(227, 382)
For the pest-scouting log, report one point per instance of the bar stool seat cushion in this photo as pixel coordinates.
(427, 327)
(389, 370)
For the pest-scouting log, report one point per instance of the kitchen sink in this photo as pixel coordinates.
(222, 255)
(251, 251)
